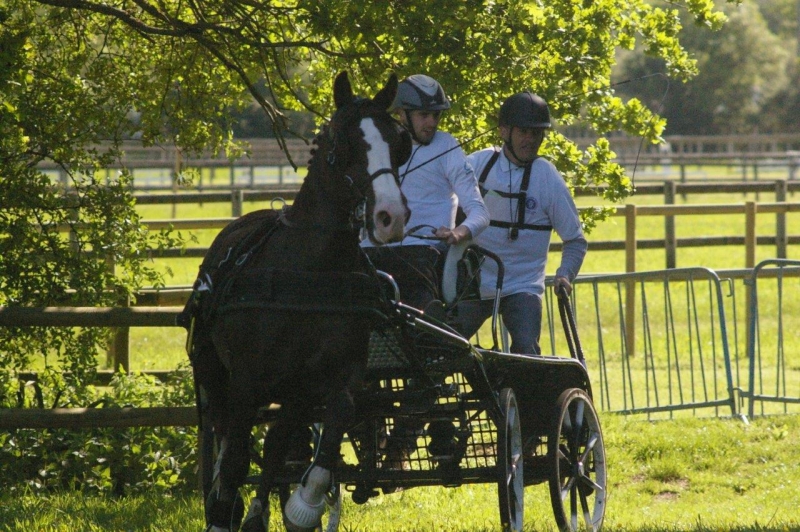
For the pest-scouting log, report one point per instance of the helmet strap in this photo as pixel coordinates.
(510, 145)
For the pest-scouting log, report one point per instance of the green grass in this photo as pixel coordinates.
(682, 475)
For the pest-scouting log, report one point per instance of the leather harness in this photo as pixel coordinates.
(520, 196)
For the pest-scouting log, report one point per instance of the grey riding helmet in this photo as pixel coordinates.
(525, 109)
(420, 93)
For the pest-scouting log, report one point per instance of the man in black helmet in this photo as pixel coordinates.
(435, 180)
(527, 199)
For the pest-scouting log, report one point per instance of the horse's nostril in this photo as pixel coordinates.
(384, 218)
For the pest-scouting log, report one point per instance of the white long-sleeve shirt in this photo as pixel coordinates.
(548, 203)
(437, 188)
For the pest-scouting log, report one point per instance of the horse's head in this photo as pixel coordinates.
(372, 145)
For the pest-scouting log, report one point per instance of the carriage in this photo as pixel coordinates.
(288, 311)
(483, 416)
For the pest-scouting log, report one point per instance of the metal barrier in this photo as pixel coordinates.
(773, 343)
(681, 361)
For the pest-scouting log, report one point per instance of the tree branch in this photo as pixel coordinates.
(119, 14)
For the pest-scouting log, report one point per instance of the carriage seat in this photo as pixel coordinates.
(460, 275)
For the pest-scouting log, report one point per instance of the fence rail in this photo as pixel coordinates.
(267, 152)
(670, 243)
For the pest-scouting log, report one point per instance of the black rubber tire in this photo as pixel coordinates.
(577, 460)
(510, 482)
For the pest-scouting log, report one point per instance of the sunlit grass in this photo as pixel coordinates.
(692, 475)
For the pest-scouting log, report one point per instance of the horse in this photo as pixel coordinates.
(283, 306)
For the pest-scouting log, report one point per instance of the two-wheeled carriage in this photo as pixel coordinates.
(478, 416)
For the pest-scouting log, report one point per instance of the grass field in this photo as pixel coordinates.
(693, 475)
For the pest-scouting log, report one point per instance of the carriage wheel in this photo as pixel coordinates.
(509, 463)
(578, 464)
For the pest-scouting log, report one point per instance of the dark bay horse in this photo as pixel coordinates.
(284, 304)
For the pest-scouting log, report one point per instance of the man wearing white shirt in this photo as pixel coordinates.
(527, 199)
(436, 180)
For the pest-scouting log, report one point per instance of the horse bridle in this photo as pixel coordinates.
(357, 218)
(358, 211)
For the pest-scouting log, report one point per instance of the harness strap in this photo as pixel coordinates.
(485, 172)
(512, 225)
(520, 196)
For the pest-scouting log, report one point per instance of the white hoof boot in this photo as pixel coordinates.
(303, 515)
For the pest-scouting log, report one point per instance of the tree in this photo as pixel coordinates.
(744, 71)
(77, 77)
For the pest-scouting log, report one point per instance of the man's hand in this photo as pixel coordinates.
(562, 283)
(453, 236)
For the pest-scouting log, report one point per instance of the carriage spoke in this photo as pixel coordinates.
(573, 508)
(577, 426)
(587, 517)
(590, 446)
(579, 465)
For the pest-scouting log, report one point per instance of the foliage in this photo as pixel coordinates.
(100, 461)
(747, 79)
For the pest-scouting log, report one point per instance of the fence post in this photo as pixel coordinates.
(683, 178)
(630, 287)
(781, 238)
(750, 209)
(237, 198)
(670, 240)
(119, 347)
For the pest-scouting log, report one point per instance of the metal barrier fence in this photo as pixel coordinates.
(656, 343)
(773, 343)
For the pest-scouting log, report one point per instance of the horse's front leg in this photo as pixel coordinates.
(276, 446)
(306, 505)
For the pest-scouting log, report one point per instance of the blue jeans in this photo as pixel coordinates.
(522, 316)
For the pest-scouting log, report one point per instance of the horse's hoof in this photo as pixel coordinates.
(212, 528)
(300, 516)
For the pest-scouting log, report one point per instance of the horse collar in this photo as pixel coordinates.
(345, 227)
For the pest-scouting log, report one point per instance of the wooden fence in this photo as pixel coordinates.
(83, 418)
(631, 244)
(749, 153)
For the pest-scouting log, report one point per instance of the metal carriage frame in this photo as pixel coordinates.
(479, 416)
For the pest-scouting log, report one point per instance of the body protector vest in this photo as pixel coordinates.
(520, 196)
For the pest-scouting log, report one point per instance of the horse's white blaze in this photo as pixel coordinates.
(389, 214)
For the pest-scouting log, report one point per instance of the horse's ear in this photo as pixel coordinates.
(342, 90)
(385, 97)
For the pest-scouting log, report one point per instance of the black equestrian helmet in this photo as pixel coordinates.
(525, 109)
